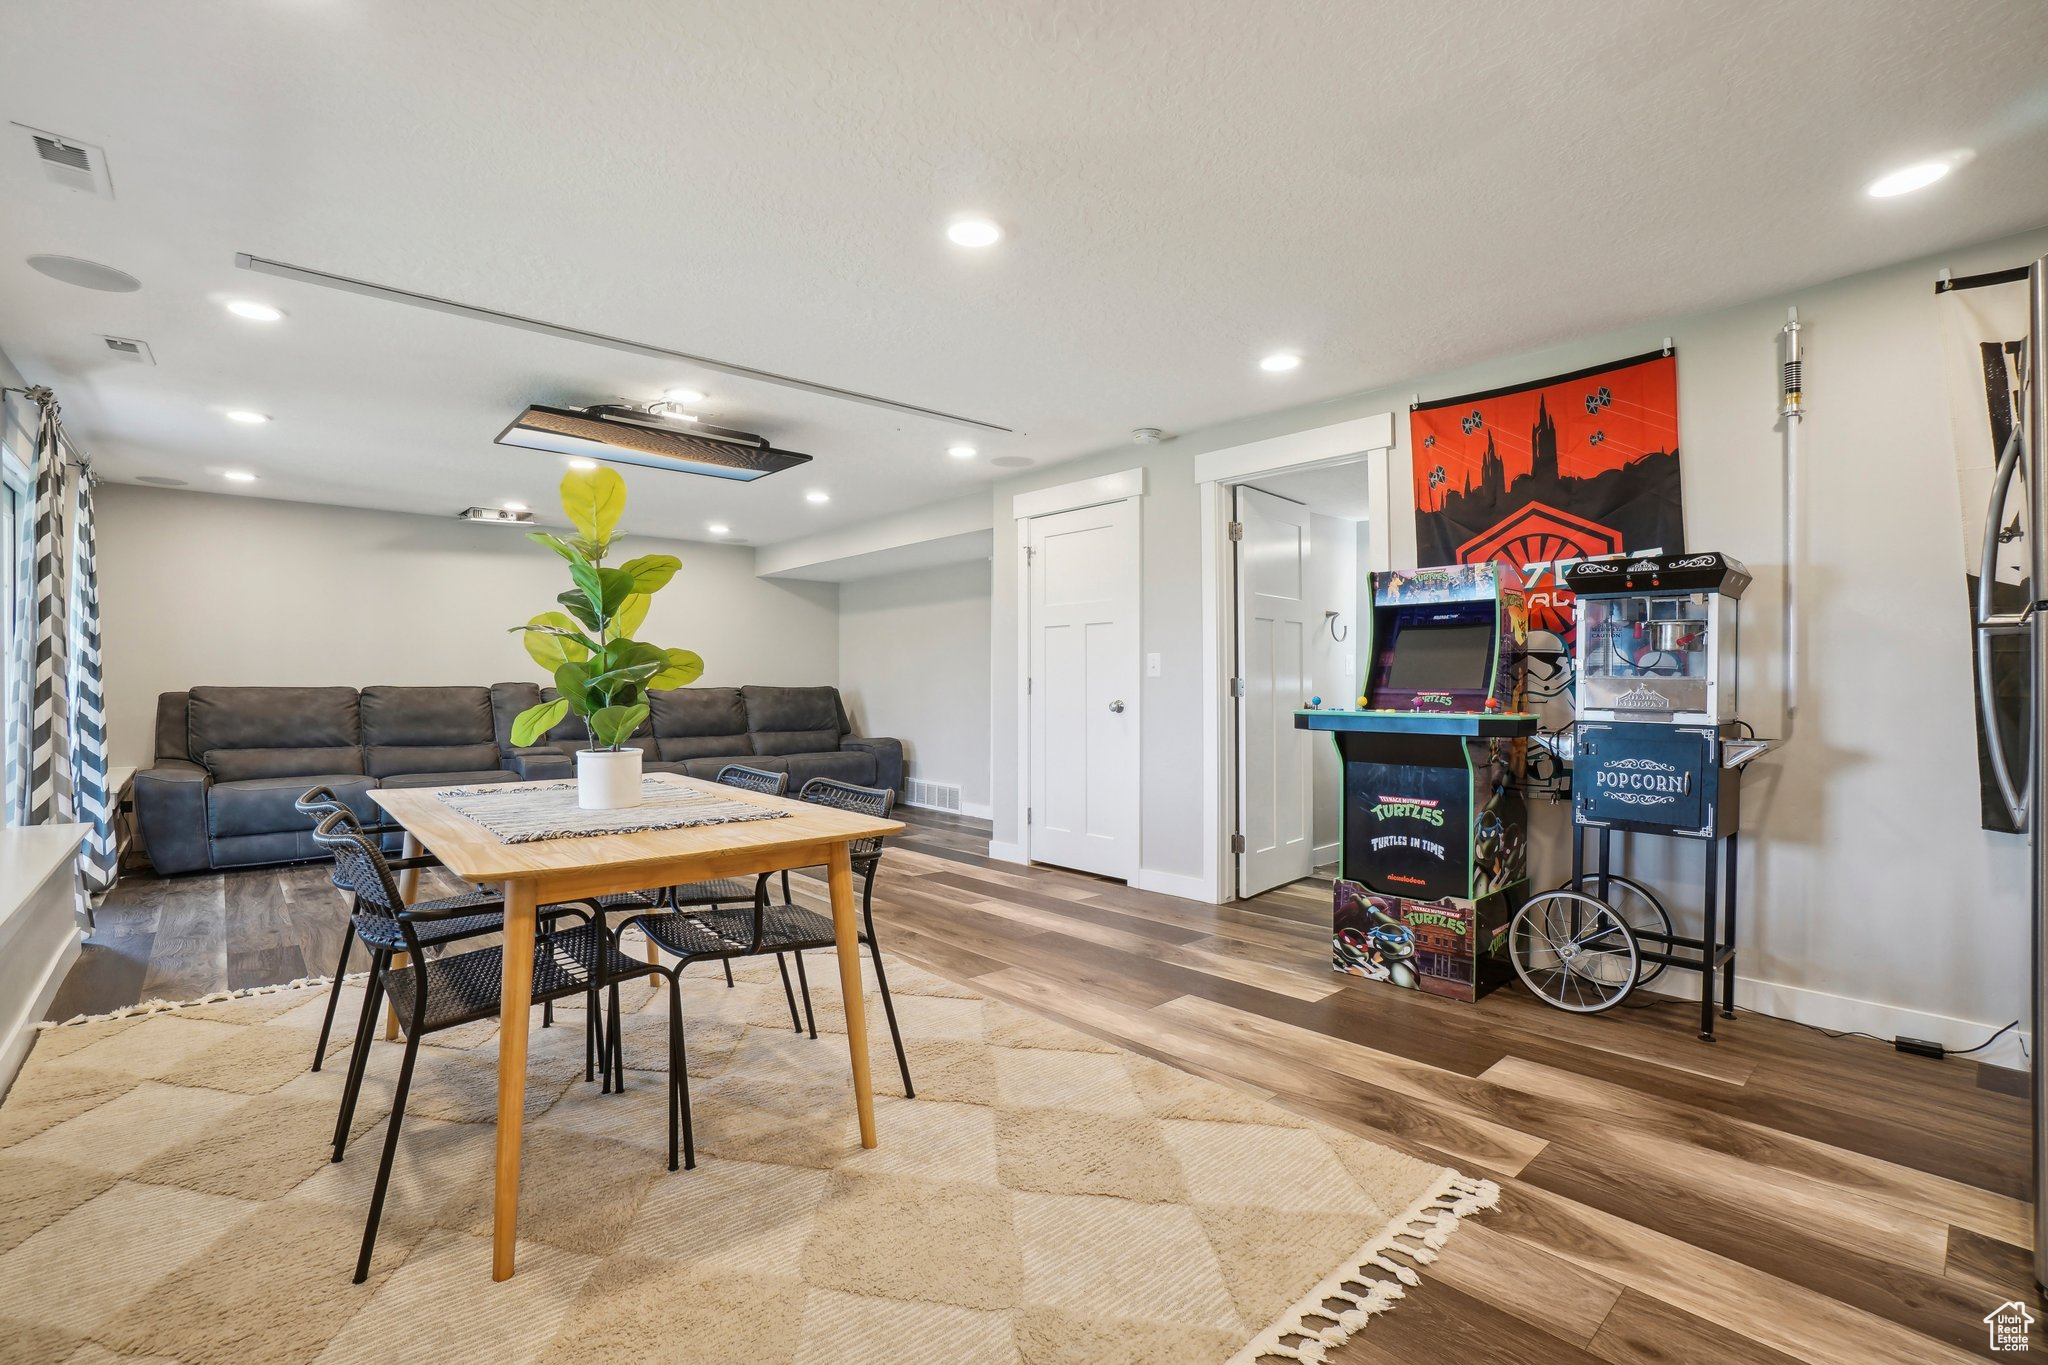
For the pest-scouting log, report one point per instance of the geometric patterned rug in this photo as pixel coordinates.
(1047, 1197)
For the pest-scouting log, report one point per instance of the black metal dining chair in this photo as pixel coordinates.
(737, 890)
(486, 912)
(693, 935)
(433, 994)
(469, 914)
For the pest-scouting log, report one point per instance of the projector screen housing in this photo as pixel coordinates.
(629, 436)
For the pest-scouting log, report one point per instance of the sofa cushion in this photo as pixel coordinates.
(243, 765)
(476, 778)
(707, 768)
(427, 730)
(263, 805)
(273, 718)
(698, 722)
(793, 720)
(849, 766)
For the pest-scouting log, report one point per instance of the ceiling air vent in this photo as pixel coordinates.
(73, 164)
(496, 516)
(130, 349)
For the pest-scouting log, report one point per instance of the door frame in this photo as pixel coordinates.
(1126, 485)
(1216, 474)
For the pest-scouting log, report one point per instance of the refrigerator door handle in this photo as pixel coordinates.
(1989, 627)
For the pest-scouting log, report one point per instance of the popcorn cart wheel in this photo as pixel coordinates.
(1574, 951)
(1638, 905)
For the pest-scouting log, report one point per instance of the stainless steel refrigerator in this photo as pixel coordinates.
(2034, 404)
(2021, 465)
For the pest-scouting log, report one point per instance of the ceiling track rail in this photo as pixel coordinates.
(284, 270)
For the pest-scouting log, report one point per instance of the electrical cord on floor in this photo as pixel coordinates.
(1964, 1052)
(1918, 1047)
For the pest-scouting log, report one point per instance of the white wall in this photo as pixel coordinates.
(914, 663)
(1332, 586)
(201, 588)
(1867, 883)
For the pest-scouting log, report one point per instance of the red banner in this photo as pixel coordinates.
(1565, 468)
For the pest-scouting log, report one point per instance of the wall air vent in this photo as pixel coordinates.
(496, 516)
(623, 435)
(931, 795)
(73, 164)
(128, 348)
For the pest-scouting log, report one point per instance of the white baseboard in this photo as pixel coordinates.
(21, 1033)
(1174, 884)
(1326, 854)
(1843, 1014)
(1007, 853)
(980, 811)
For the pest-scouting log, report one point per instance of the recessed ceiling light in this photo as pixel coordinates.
(1917, 176)
(719, 528)
(817, 495)
(974, 232)
(961, 452)
(238, 476)
(254, 311)
(243, 415)
(686, 396)
(514, 506)
(1280, 362)
(583, 464)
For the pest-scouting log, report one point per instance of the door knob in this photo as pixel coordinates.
(1117, 707)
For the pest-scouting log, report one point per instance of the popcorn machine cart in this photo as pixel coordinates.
(1656, 750)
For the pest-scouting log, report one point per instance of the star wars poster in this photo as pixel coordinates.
(1984, 329)
(1570, 467)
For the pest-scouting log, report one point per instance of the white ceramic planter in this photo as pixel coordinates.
(607, 779)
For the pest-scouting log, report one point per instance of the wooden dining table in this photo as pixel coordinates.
(549, 871)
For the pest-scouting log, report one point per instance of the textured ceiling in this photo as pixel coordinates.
(1390, 188)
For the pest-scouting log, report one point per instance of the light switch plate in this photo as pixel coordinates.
(1151, 665)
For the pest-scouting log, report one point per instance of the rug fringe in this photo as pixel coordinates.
(149, 1007)
(1373, 1279)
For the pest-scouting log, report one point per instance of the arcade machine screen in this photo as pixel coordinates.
(1435, 656)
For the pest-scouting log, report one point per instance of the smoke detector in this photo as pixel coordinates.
(68, 162)
(128, 348)
(1148, 436)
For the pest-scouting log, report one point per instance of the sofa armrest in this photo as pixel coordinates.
(170, 808)
(541, 762)
(888, 758)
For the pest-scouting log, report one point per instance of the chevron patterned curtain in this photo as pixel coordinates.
(49, 777)
(96, 864)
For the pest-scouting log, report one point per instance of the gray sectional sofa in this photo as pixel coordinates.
(231, 760)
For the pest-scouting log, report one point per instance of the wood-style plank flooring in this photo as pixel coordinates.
(1779, 1195)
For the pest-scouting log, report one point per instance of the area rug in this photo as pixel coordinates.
(1047, 1197)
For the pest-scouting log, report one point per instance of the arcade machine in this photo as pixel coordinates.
(1434, 835)
(1656, 750)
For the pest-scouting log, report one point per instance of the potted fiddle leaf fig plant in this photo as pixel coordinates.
(599, 670)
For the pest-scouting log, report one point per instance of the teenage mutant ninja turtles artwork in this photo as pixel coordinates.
(1448, 947)
(1381, 951)
(1499, 846)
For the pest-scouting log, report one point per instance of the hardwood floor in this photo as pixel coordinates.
(1779, 1195)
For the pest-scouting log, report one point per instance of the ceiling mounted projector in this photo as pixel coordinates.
(633, 436)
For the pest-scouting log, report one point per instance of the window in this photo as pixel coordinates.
(17, 628)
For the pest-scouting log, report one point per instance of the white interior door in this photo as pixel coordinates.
(1083, 568)
(1275, 767)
